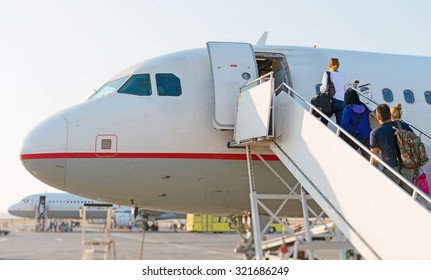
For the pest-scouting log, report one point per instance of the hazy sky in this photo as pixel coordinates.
(53, 54)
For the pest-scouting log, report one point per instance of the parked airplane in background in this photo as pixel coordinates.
(157, 134)
(68, 206)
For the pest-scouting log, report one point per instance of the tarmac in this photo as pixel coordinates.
(23, 243)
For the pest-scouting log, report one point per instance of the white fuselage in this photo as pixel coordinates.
(61, 206)
(164, 152)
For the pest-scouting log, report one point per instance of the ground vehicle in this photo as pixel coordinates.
(211, 223)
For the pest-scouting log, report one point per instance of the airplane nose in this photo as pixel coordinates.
(44, 151)
(14, 209)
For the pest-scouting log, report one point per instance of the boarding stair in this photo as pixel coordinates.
(374, 214)
(41, 215)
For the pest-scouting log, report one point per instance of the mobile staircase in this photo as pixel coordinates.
(364, 213)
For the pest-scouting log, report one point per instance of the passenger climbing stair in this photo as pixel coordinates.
(377, 217)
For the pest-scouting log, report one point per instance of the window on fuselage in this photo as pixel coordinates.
(168, 85)
(428, 97)
(108, 88)
(139, 84)
(364, 89)
(409, 96)
(387, 95)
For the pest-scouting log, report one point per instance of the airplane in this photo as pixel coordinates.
(159, 134)
(158, 130)
(69, 206)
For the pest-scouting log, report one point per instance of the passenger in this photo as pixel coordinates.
(339, 81)
(42, 208)
(396, 114)
(382, 143)
(355, 121)
(372, 118)
(55, 225)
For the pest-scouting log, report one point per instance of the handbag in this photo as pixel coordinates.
(330, 91)
(422, 182)
(322, 102)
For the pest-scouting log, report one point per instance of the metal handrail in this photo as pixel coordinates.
(416, 190)
(259, 80)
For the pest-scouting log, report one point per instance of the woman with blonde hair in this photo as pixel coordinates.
(339, 81)
(396, 112)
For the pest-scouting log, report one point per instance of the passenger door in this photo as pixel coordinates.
(232, 65)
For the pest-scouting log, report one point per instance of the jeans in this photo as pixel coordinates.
(364, 141)
(325, 121)
(337, 107)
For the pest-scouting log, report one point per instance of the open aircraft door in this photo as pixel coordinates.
(41, 207)
(232, 65)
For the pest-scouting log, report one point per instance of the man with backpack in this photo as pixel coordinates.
(382, 143)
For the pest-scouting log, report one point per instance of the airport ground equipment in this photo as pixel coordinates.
(364, 204)
(218, 224)
(108, 245)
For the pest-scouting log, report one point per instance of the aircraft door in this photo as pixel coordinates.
(232, 65)
(41, 207)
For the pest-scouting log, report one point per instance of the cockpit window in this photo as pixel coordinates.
(108, 88)
(137, 85)
(168, 85)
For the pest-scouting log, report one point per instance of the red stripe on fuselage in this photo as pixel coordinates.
(145, 156)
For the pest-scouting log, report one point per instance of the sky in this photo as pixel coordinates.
(55, 53)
